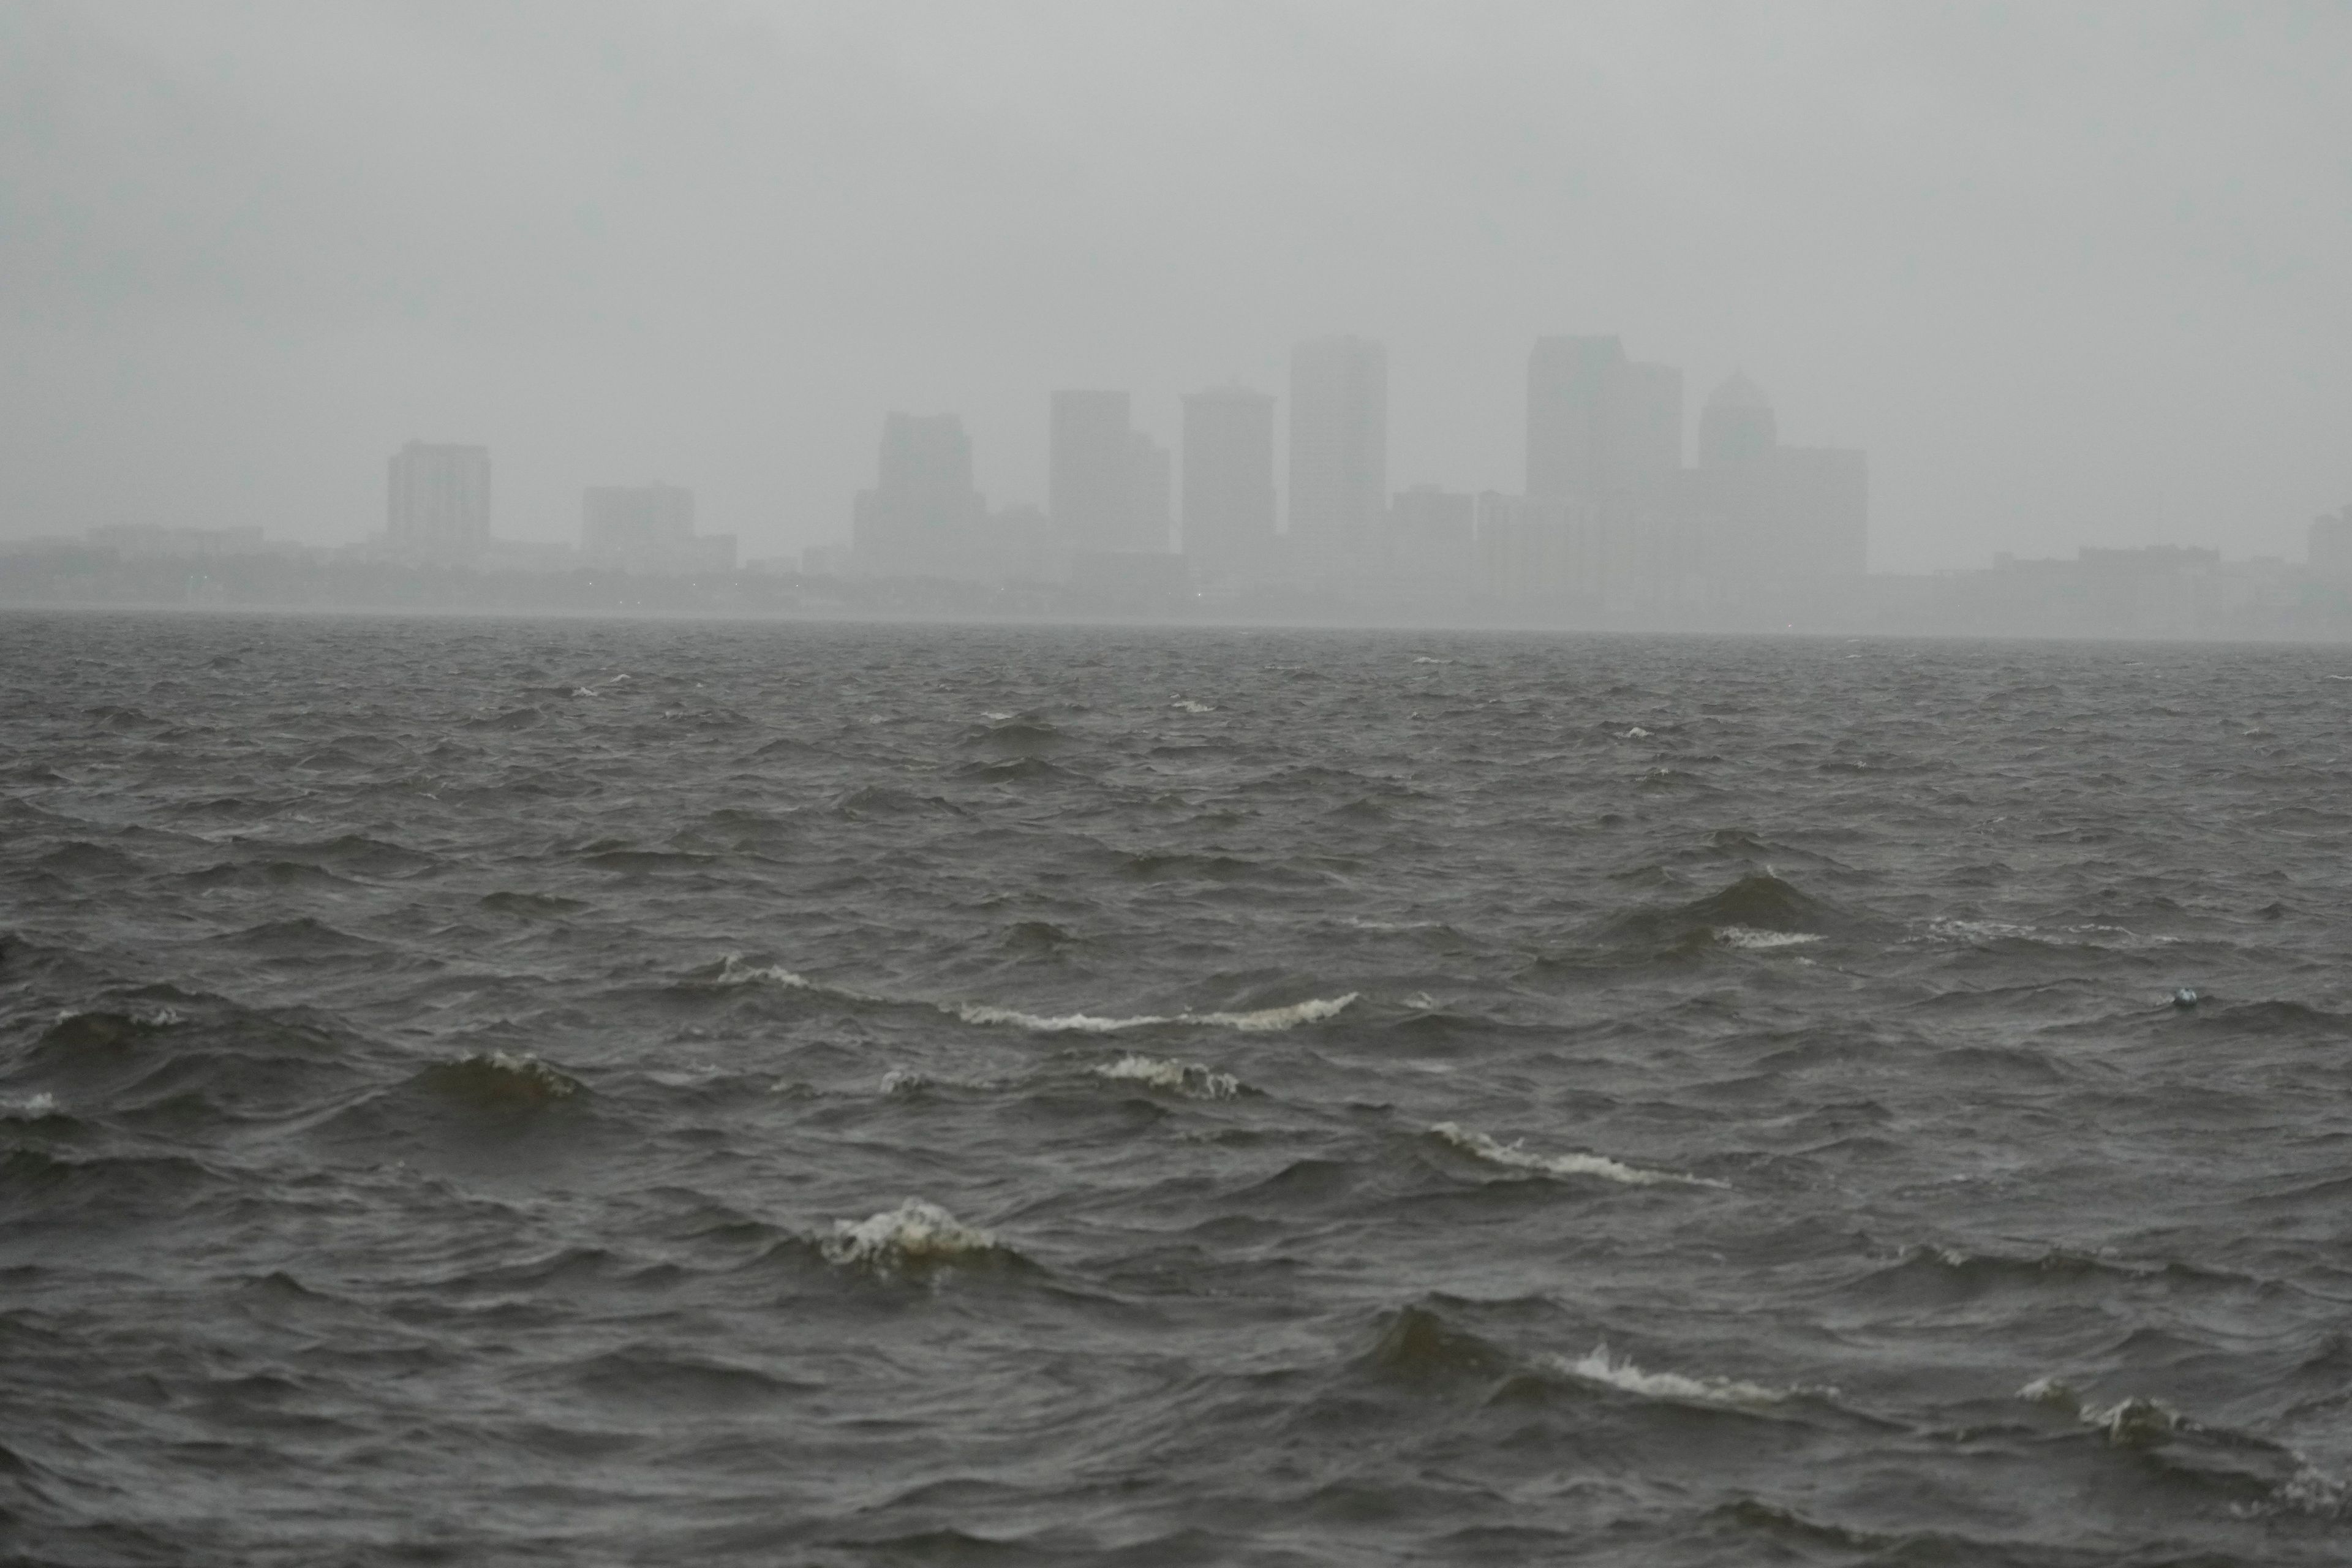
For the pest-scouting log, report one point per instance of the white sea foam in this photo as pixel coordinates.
(1189, 706)
(1598, 1365)
(1179, 1078)
(1425, 659)
(1264, 1020)
(1636, 734)
(903, 1081)
(917, 1231)
(2132, 1421)
(1976, 931)
(29, 1108)
(1757, 941)
(523, 1064)
(734, 971)
(1474, 1143)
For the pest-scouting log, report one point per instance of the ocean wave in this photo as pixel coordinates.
(917, 1232)
(29, 1107)
(1188, 705)
(1480, 1146)
(500, 1080)
(1755, 941)
(2130, 1423)
(1597, 1365)
(734, 971)
(1263, 1020)
(1178, 1078)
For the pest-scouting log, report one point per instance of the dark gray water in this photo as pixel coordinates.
(498, 1093)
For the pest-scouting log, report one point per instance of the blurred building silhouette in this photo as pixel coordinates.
(648, 528)
(1338, 453)
(439, 500)
(922, 517)
(1090, 485)
(1228, 493)
(2331, 544)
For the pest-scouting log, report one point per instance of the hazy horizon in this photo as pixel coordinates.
(2070, 276)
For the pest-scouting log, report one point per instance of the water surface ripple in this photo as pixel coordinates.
(568, 1092)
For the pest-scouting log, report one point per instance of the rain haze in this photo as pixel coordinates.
(1272, 785)
(2068, 275)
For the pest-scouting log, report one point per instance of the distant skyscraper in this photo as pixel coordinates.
(1090, 481)
(1598, 423)
(439, 499)
(1339, 448)
(1151, 493)
(919, 518)
(622, 521)
(648, 528)
(1568, 389)
(1228, 498)
(1738, 424)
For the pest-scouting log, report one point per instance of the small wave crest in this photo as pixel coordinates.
(29, 1107)
(500, 1080)
(916, 1233)
(1756, 941)
(1263, 1020)
(1597, 1365)
(1512, 1154)
(1177, 1077)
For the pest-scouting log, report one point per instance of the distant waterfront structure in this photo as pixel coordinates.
(439, 500)
(1091, 482)
(919, 518)
(648, 528)
(2331, 544)
(1738, 424)
(1339, 450)
(1151, 494)
(1599, 425)
(1228, 496)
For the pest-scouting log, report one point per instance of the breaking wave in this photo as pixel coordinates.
(1178, 1078)
(1263, 1020)
(1597, 1365)
(916, 1233)
(1480, 1146)
(1763, 941)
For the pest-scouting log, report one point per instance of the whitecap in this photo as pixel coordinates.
(1478, 1144)
(734, 971)
(903, 1081)
(2130, 1423)
(1756, 941)
(917, 1231)
(1263, 1020)
(1636, 734)
(1189, 706)
(1599, 1366)
(1178, 1078)
(29, 1108)
(1425, 659)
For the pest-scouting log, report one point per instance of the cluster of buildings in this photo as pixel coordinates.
(1611, 521)
(438, 510)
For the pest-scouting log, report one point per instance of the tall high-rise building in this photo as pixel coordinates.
(1598, 424)
(1151, 493)
(1568, 393)
(919, 518)
(624, 520)
(1090, 477)
(1228, 500)
(439, 499)
(1339, 449)
(1738, 425)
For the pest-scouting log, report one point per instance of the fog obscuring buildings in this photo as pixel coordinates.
(1338, 452)
(1228, 496)
(648, 528)
(439, 500)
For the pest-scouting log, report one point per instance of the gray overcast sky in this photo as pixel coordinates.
(2072, 275)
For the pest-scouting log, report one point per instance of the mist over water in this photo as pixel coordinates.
(511, 1092)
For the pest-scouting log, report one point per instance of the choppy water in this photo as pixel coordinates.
(518, 1093)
